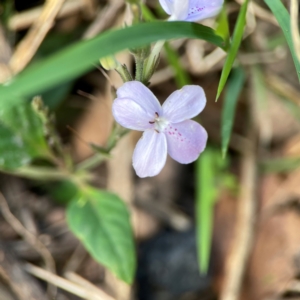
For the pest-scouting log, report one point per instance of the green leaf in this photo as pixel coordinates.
(283, 18)
(234, 89)
(206, 193)
(81, 57)
(55, 96)
(13, 154)
(234, 47)
(181, 76)
(63, 192)
(101, 221)
(147, 13)
(223, 26)
(212, 177)
(22, 137)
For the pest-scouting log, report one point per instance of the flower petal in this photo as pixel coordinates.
(140, 94)
(203, 9)
(186, 140)
(150, 154)
(180, 10)
(184, 104)
(131, 115)
(167, 6)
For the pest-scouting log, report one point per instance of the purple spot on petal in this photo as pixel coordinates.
(195, 9)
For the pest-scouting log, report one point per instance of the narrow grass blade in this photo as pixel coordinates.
(181, 76)
(206, 194)
(283, 18)
(234, 47)
(223, 27)
(235, 86)
(82, 56)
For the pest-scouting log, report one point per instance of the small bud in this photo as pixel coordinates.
(37, 103)
(109, 63)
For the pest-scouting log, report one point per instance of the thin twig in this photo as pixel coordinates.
(211, 63)
(238, 258)
(75, 260)
(75, 278)
(15, 288)
(27, 48)
(104, 18)
(282, 87)
(66, 284)
(294, 26)
(29, 238)
(261, 13)
(5, 55)
(25, 18)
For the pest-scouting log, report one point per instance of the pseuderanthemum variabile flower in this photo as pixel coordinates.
(167, 128)
(191, 10)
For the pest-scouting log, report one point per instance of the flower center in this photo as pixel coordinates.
(160, 123)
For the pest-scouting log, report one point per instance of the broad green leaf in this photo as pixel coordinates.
(206, 193)
(283, 18)
(81, 57)
(13, 152)
(101, 221)
(63, 192)
(181, 76)
(234, 89)
(22, 137)
(234, 47)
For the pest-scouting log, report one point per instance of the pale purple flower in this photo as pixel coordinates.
(191, 10)
(167, 128)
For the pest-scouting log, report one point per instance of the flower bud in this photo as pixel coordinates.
(109, 63)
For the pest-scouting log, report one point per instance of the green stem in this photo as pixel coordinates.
(40, 173)
(152, 59)
(124, 73)
(91, 162)
(139, 66)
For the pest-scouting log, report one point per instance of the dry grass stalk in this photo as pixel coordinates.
(294, 26)
(242, 245)
(104, 18)
(261, 13)
(26, 18)
(67, 285)
(27, 48)
(283, 88)
(29, 238)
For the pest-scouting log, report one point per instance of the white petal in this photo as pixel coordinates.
(167, 6)
(203, 9)
(180, 10)
(150, 154)
(131, 115)
(184, 104)
(186, 140)
(140, 94)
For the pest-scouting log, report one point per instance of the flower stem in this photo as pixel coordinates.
(91, 162)
(152, 60)
(139, 66)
